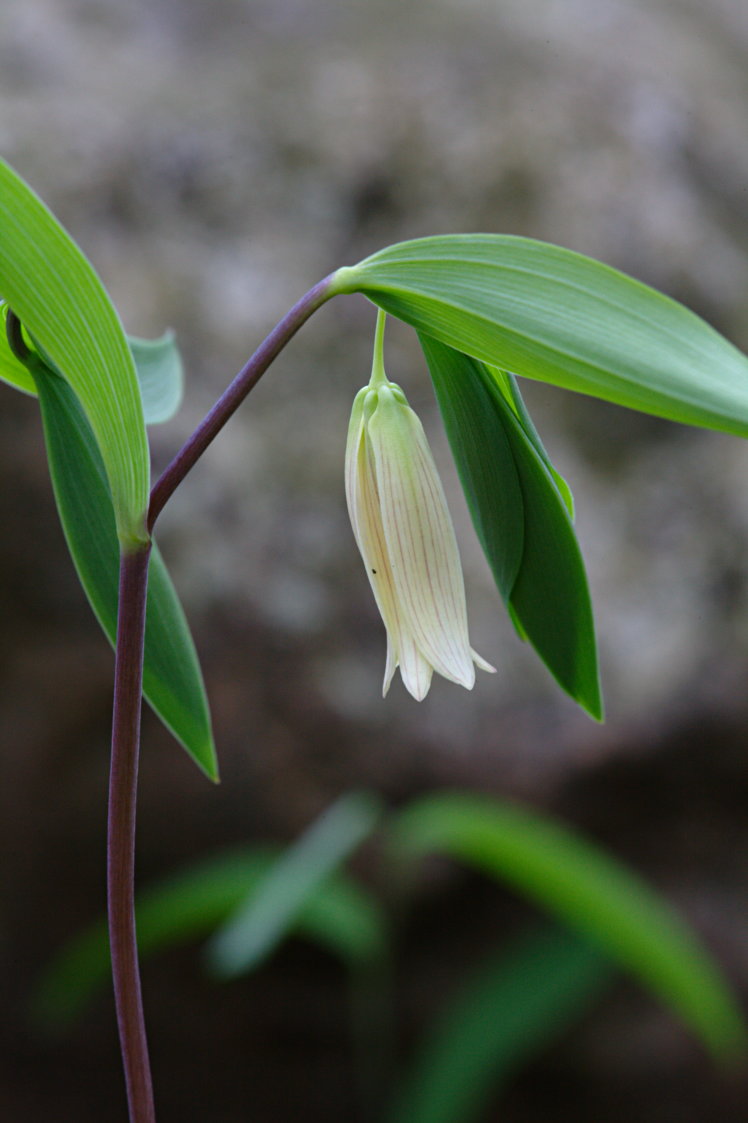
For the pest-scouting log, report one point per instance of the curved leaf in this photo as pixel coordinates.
(546, 313)
(172, 681)
(60, 301)
(12, 370)
(256, 929)
(588, 890)
(158, 367)
(509, 387)
(339, 915)
(512, 1006)
(521, 517)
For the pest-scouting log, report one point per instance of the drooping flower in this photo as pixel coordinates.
(404, 532)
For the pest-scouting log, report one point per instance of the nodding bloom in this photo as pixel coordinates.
(404, 532)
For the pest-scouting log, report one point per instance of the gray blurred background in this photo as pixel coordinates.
(214, 160)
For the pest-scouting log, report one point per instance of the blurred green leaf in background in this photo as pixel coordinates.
(514, 1001)
(586, 888)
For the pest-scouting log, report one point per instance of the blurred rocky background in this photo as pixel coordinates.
(215, 159)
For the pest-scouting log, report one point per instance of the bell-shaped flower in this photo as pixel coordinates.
(404, 532)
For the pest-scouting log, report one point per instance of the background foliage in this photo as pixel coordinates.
(223, 158)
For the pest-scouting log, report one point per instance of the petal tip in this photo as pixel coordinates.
(482, 663)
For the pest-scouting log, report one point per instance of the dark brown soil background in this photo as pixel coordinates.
(215, 159)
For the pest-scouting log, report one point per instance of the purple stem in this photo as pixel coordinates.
(235, 394)
(128, 686)
(123, 781)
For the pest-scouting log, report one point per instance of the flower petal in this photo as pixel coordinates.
(364, 510)
(482, 663)
(415, 671)
(406, 539)
(420, 539)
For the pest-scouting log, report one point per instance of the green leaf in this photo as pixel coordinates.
(158, 367)
(514, 1005)
(254, 932)
(509, 387)
(62, 304)
(339, 915)
(486, 464)
(591, 892)
(172, 681)
(546, 313)
(12, 370)
(521, 517)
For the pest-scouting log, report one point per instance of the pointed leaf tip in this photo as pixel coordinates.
(172, 680)
(521, 518)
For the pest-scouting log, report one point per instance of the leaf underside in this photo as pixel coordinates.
(172, 682)
(547, 313)
(158, 367)
(521, 516)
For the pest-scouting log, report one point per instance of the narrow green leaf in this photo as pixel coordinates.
(546, 313)
(514, 1005)
(172, 682)
(254, 932)
(509, 387)
(340, 916)
(485, 461)
(591, 892)
(60, 301)
(521, 517)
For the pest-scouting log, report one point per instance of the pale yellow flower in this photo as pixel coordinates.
(405, 535)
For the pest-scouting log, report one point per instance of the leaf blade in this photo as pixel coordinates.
(514, 1004)
(172, 681)
(521, 518)
(158, 366)
(547, 313)
(340, 916)
(589, 891)
(256, 929)
(59, 299)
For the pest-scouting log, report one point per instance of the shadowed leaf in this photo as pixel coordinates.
(588, 890)
(514, 1004)
(521, 517)
(172, 681)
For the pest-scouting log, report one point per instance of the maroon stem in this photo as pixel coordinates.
(235, 394)
(123, 780)
(128, 685)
